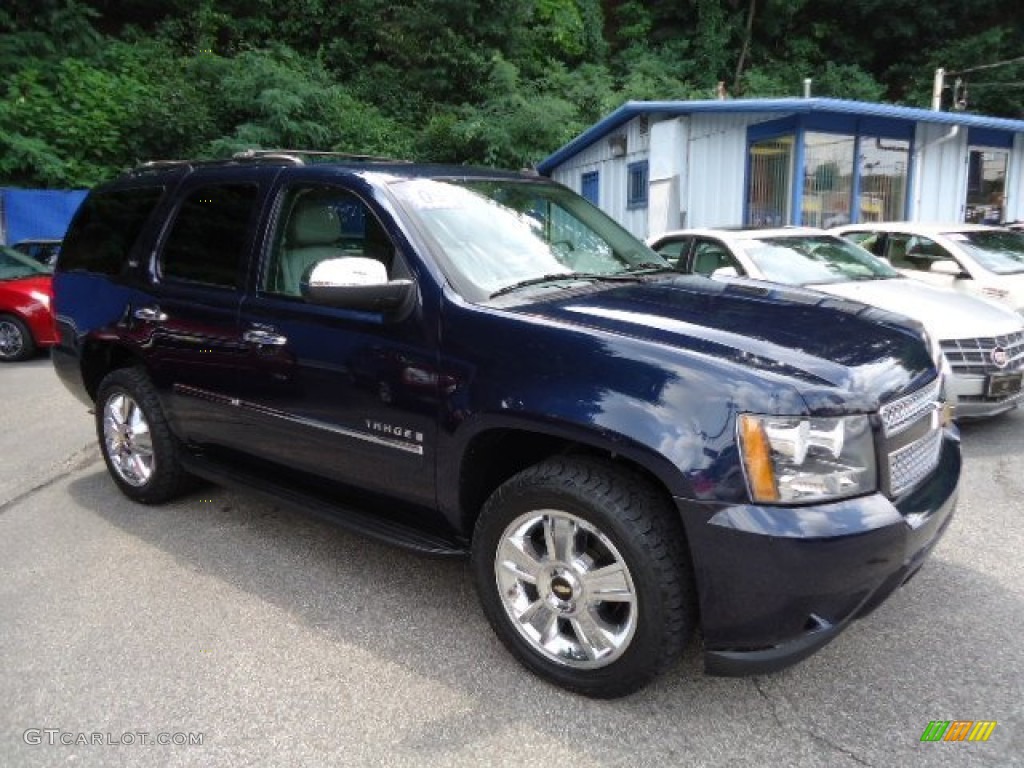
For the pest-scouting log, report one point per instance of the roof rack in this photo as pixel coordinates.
(297, 155)
(293, 156)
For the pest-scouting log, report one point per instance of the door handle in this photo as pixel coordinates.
(264, 337)
(150, 314)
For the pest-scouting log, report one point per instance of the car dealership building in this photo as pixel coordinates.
(661, 165)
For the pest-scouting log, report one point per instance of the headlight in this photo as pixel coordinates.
(793, 460)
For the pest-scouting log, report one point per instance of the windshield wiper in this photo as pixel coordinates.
(556, 277)
(650, 268)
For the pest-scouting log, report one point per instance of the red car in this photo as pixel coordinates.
(26, 306)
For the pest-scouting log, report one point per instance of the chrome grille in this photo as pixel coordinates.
(910, 464)
(912, 456)
(975, 355)
(901, 414)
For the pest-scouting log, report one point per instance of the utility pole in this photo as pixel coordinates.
(940, 75)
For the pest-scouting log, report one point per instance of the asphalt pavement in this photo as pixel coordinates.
(247, 634)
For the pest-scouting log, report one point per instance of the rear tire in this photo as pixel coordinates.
(141, 452)
(16, 342)
(582, 571)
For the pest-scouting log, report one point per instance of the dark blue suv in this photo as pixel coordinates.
(472, 362)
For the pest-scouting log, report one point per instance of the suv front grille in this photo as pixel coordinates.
(975, 355)
(913, 432)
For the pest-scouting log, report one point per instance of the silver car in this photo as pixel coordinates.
(982, 341)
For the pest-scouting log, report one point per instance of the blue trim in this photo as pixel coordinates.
(988, 137)
(639, 168)
(908, 201)
(771, 129)
(854, 212)
(798, 172)
(865, 110)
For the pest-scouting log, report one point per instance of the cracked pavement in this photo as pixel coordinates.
(286, 641)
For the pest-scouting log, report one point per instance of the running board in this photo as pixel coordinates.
(348, 517)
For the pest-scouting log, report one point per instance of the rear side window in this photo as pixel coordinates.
(210, 235)
(105, 228)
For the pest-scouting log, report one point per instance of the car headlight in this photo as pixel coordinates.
(794, 460)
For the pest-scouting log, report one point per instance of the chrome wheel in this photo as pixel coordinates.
(12, 340)
(566, 588)
(127, 439)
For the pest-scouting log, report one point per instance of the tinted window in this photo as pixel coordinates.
(210, 235)
(105, 228)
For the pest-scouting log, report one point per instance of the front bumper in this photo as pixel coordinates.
(972, 402)
(775, 584)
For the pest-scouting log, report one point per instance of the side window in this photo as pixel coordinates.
(674, 252)
(318, 223)
(208, 239)
(896, 247)
(636, 185)
(710, 255)
(590, 187)
(922, 252)
(105, 228)
(869, 241)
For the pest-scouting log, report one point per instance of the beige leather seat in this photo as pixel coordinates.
(313, 235)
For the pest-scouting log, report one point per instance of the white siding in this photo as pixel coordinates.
(612, 195)
(716, 163)
(940, 174)
(706, 152)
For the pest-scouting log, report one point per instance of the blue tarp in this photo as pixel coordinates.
(38, 213)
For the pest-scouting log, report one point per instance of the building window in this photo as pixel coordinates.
(636, 185)
(590, 186)
(883, 165)
(828, 180)
(770, 187)
(986, 185)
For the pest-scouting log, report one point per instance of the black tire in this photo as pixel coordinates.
(156, 474)
(614, 520)
(16, 342)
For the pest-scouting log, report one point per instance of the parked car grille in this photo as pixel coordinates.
(912, 456)
(975, 355)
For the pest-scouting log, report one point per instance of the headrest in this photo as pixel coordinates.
(313, 224)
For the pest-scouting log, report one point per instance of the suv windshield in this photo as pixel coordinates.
(14, 265)
(497, 235)
(814, 259)
(999, 251)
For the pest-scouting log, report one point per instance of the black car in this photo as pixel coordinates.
(480, 363)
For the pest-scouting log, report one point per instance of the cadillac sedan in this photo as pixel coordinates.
(982, 342)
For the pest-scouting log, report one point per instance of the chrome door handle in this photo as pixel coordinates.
(150, 314)
(264, 337)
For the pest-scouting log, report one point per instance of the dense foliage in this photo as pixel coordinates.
(93, 86)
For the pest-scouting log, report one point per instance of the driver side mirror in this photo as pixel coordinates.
(725, 272)
(357, 283)
(947, 267)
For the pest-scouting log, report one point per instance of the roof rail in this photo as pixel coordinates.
(293, 156)
(297, 155)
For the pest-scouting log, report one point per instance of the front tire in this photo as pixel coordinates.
(581, 570)
(16, 342)
(141, 453)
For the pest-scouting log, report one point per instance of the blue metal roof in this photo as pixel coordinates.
(632, 109)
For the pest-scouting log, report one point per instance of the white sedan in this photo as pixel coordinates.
(983, 342)
(970, 258)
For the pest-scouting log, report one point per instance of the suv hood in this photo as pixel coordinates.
(810, 338)
(944, 313)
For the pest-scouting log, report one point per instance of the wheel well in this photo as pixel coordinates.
(100, 359)
(495, 456)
